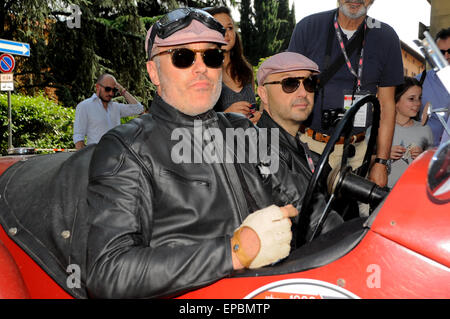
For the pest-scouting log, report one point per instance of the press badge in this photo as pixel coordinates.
(361, 115)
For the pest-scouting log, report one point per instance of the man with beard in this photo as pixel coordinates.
(98, 114)
(357, 56)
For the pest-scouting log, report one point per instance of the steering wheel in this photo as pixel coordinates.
(342, 129)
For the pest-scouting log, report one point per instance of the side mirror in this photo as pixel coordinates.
(438, 181)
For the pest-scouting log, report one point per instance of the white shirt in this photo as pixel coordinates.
(348, 33)
(92, 120)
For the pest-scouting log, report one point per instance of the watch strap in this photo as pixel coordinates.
(237, 249)
(381, 161)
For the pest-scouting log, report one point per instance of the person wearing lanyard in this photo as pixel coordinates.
(357, 56)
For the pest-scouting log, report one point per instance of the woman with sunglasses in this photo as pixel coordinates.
(238, 92)
(410, 137)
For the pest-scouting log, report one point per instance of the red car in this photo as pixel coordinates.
(402, 250)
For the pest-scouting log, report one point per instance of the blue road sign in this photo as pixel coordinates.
(12, 47)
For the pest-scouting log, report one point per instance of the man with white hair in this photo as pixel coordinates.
(357, 56)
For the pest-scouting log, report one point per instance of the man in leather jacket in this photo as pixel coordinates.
(286, 84)
(150, 211)
(163, 222)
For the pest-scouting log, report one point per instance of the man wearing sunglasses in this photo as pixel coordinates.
(433, 91)
(98, 114)
(159, 227)
(286, 86)
(357, 55)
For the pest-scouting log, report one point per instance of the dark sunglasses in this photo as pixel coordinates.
(290, 85)
(183, 58)
(179, 19)
(445, 51)
(109, 89)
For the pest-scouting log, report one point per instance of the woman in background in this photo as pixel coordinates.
(238, 92)
(410, 137)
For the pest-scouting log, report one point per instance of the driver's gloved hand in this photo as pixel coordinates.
(273, 229)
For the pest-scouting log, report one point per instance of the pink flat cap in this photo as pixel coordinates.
(194, 32)
(284, 62)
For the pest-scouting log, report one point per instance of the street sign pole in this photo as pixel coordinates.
(10, 146)
(7, 64)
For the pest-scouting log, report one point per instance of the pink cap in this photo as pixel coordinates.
(194, 32)
(284, 62)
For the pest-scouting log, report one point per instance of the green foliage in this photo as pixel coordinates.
(287, 23)
(266, 27)
(36, 122)
(111, 39)
(255, 71)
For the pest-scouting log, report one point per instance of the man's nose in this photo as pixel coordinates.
(199, 65)
(301, 91)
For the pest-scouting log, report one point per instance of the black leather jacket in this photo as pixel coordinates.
(296, 155)
(160, 228)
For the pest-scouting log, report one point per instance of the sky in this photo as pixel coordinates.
(402, 15)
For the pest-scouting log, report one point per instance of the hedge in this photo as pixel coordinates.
(36, 122)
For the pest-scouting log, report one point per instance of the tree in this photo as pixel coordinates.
(287, 23)
(264, 28)
(66, 61)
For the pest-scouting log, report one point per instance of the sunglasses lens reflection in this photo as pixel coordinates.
(184, 58)
(290, 85)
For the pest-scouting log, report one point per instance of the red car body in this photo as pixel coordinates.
(405, 253)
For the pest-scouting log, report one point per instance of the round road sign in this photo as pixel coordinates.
(7, 63)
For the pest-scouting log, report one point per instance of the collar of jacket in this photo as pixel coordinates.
(285, 138)
(167, 112)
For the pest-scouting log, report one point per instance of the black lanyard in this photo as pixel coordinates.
(358, 73)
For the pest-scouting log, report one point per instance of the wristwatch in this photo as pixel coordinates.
(381, 161)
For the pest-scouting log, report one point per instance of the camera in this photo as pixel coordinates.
(330, 117)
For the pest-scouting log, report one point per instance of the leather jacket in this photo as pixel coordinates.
(160, 227)
(296, 155)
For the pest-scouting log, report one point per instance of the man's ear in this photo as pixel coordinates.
(153, 72)
(97, 89)
(262, 92)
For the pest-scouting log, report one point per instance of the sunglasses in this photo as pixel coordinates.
(445, 51)
(183, 58)
(109, 89)
(290, 85)
(179, 19)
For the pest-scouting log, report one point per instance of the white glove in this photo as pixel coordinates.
(274, 232)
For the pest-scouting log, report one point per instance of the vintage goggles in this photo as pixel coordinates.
(290, 85)
(179, 19)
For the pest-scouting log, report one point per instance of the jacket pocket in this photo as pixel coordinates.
(169, 175)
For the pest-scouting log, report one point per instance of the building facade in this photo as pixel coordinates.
(413, 62)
